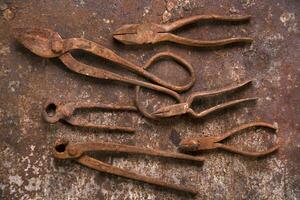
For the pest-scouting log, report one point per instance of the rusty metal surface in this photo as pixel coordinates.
(28, 169)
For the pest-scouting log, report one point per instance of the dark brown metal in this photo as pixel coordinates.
(183, 108)
(55, 111)
(213, 142)
(64, 150)
(151, 33)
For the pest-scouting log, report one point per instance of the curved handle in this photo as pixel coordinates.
(189, 20)
(87, 70)
(104, 167)
(101, 51)
(243, 127)
(185, 65)
(249, 153)
(232, 88)
(200, 43)
(218, 107)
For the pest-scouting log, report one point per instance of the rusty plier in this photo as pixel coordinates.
(77, 151)
(151, 33)
(214, 142)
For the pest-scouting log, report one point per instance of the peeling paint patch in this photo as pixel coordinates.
(13, 85)
(248, 3)
(34, 184)
(146, 11)
(289, 21)
(17, 180)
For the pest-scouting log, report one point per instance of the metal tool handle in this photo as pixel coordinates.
(193, 19)
(101, 51)
(189, 68)
(199, 43)
(81, 148)
(103, 167)
(218, 107)
(238, 130)
(185, 65)
(228, 89)
(248, 153)
(87, 70)
(198, 95)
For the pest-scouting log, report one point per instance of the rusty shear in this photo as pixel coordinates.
(213, 142)
(151, 33)
(65, 150)
(55, 111)
(185, 107)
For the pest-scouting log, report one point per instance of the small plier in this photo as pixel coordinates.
(183, 108)
(77, 151)
(214, 142)
(151, 33)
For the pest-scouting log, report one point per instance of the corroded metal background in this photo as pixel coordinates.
(27, 168)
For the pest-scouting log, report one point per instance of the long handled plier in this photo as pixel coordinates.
(151, 33)
(78, 152)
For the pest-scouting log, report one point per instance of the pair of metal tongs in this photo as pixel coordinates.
(77, 151)
(55, 111)
(196, 144)
(151, 33)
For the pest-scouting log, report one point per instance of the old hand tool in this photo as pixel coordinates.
(183, 108)
(64, 150)
(213, 142)
(151, 33)
(47, 43)
(55, 111)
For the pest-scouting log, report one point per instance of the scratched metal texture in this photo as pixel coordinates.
(27, 168)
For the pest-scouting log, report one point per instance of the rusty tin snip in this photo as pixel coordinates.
(49, 44)
(65, 150)
(151, 33)
(213, 142)
(185, 107)
(55, 111)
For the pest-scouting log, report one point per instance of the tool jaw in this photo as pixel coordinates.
(173, 110)
(198, 144)
(188, 145)
(42, 42)
(63, 150)
(54, 111)
(137, 34)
